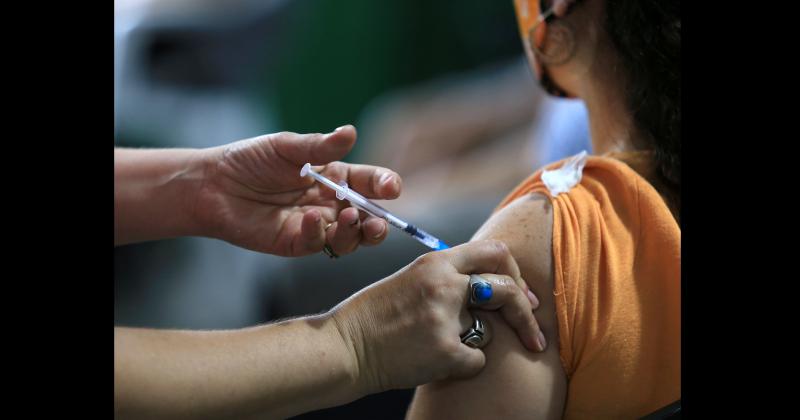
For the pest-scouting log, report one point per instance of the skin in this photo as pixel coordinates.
(534, 385)
(358, 348)
(589, 75)
(295, 366)
(250, 194)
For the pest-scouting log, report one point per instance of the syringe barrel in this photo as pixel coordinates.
(362, 203)
(343, 192)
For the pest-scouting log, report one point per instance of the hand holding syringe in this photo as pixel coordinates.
(358, 201)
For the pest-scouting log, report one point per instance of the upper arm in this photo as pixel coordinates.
(515, 383)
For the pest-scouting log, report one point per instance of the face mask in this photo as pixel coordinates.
(533, 29)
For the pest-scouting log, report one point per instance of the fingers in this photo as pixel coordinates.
(373, 231)
(374, 181)
(467, 362)
(322, 149)
(488, 256)
(312, 232)
(318, 149)
(509, 293)
(344, 234)
(348, 231)
(465, 320)
(516, 307)
(367, 180)
(501, 288)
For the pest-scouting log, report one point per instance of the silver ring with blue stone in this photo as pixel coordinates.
(480, 290)
(476, 336)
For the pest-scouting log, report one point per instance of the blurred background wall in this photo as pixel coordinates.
(439, 91)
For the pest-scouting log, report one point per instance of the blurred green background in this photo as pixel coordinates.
(302, 66)
(345, 53)
(192, 73)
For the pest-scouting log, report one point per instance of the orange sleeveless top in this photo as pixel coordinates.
(617, 261)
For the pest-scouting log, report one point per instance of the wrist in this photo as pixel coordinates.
(197, 196)
(352, 341)
(155, 193)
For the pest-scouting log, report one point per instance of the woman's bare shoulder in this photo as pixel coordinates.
(515, 383)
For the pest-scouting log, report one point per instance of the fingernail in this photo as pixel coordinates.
(340, 128)
(384, 178)
(532, 298)
(542, 341)
(381, 232)
(354, 222)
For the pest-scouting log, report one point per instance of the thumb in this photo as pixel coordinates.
(317, 149)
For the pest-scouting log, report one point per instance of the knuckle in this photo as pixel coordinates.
(504, 282)
(446, 348)
(518, 314)
(433, 290)
(432, 319)
(426, 259)
(500, 247)
(336, 168)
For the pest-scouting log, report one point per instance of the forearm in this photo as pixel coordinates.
(277, 371)
(154, 193)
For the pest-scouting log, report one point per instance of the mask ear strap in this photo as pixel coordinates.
(543, 18)
(546, 81)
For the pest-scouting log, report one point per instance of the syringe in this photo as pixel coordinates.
(359, 201)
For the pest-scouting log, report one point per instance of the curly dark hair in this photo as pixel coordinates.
(647, 35)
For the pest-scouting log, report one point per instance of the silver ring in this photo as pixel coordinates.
(476, 337)
(480, 290)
